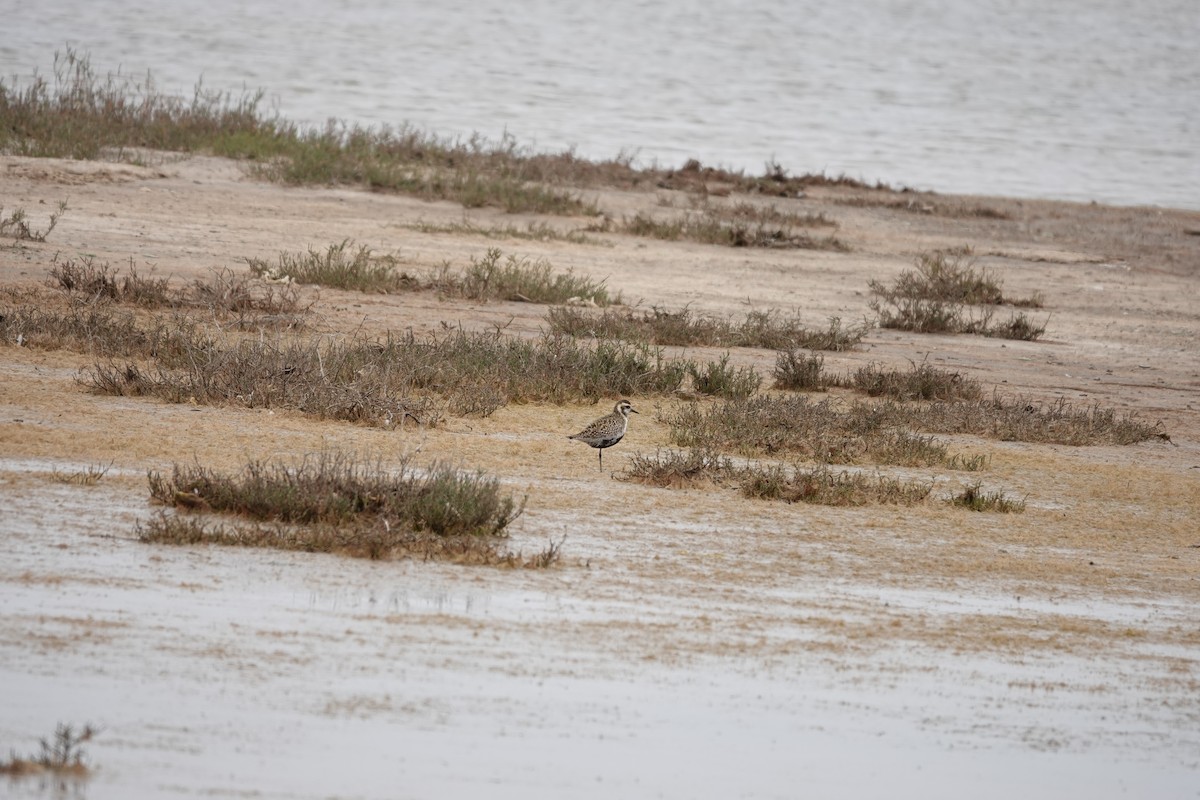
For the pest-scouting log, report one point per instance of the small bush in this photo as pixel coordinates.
(62, 756)
(922, 382)
(1020, 420)
(253, 304)
(770, 330)
(85, 477)
(800, 371)
(336, 503)
(883, 433)
(16, 224)
(818, 431)
(385, 382)
(101, 331)
(342, 265)
(948, 280)
(819, 485)
(679, 468)
(939, 295)
(923, 205)
(529, 281)
(536, 231)
(822, 486)
(719, 379)
(712, 227)
(973, 497)
(766, 329)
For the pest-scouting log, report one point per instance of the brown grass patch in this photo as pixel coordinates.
(335, 503)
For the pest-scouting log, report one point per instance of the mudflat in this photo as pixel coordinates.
(690, 641)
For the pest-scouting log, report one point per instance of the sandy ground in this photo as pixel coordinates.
(691, 643)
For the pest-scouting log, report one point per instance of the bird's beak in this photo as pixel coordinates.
(634, 410)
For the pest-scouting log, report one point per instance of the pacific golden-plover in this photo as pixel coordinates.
(608, 430)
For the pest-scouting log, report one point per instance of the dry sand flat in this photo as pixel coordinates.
(691, 643)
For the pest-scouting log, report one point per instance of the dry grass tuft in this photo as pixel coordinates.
(736, 229)
(384, 382)
(883, 432)
(923, 205)
(801, 371)
(822, 432)
(62, 756)
(1020, 420)
(718, 379)
(16, 224)
(922, 382)
(534, 230)
(86, 477)
(949, 295)
(973, 497)
(768, 329)
(818, 485)
(528, 281)
(680, 468)
(340, 266)
(335, 503)
(249, 303)
(822, 486)
(99, 330)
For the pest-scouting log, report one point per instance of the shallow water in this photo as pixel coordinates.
(223, 671)
(1080, 100)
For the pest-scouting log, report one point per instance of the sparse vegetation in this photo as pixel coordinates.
(882, 432)
(252, 304)
(334, 502)
(818, 431)
(384, 382)
(535, 231)
(84, 278)
(973, 497)
(16, 224)
(800, 371)
(80, 115)
(529, 281)
(817, 485)
(62, 756)
(342, 265)
(949, 295)
(796, 370)
(89, 476)
(822, 486)
(767, 329)
(680, 468)
(100, 330)
(774, 182)
(719, 379)
(923, 204)
(1020, 420)
(922, 382)
(747, 211)
(736, 229)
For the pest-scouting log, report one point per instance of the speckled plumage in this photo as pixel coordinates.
(607, 430)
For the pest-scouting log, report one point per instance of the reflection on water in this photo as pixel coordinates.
(436, 599)
(1079, 99)
(400, 601)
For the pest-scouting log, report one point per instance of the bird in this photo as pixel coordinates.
(607, 430)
